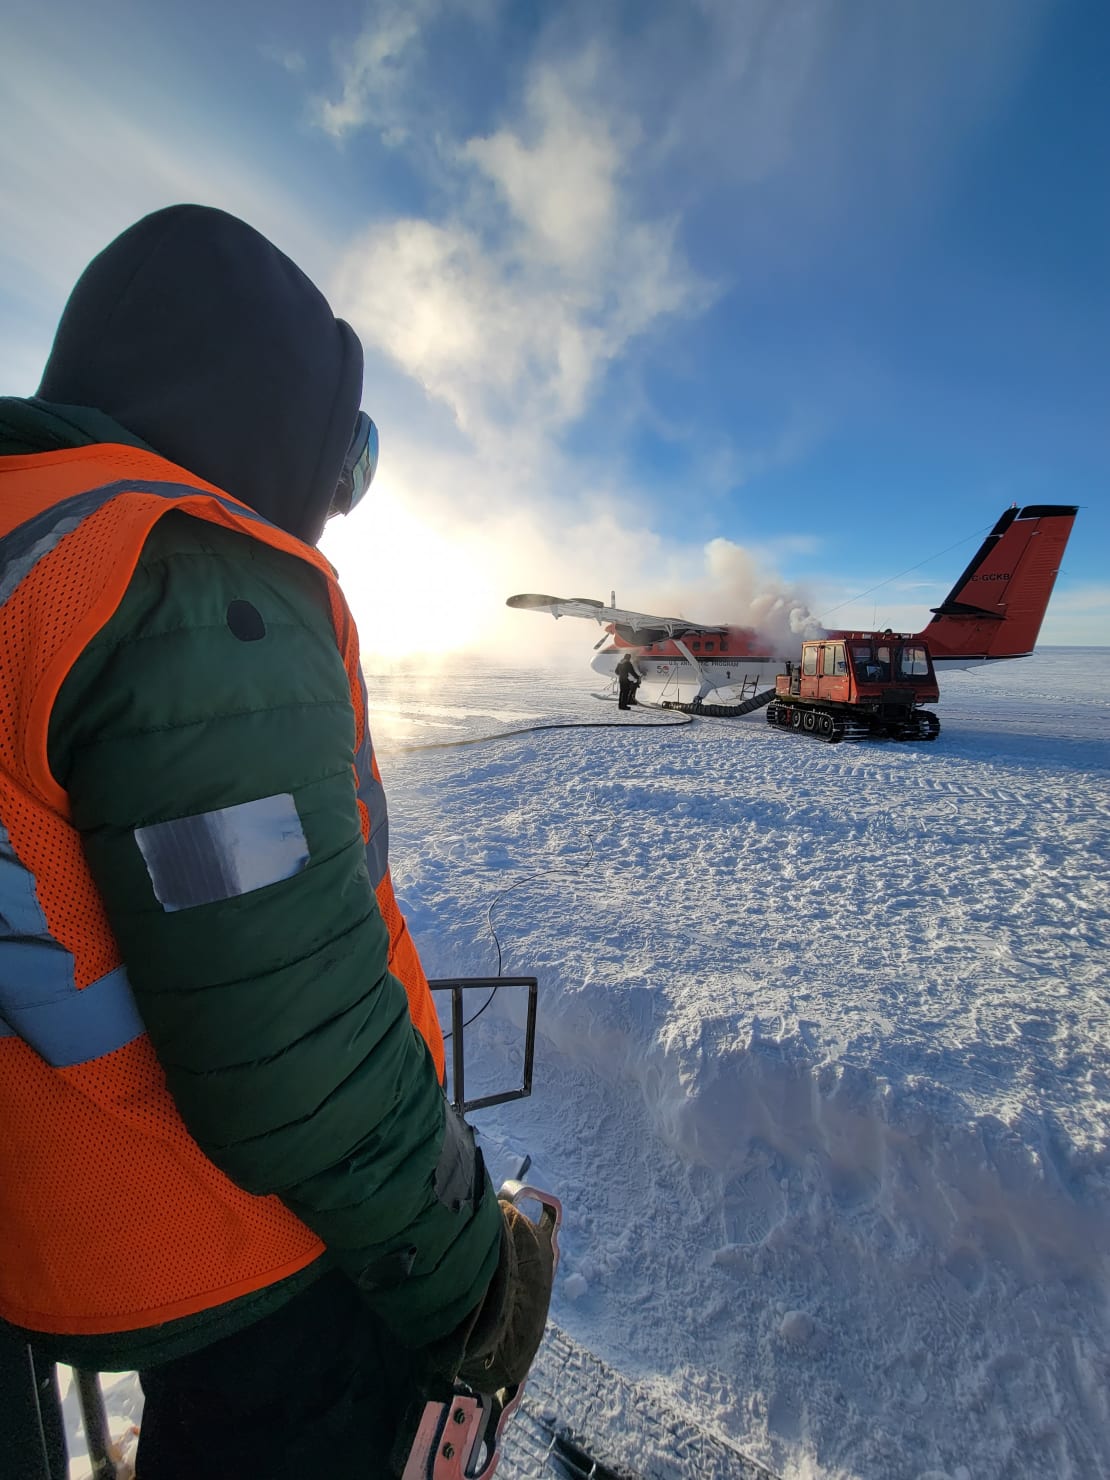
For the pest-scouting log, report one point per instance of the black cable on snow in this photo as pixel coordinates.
(608, 724)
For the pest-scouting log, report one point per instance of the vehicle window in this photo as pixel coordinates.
(840, 662)
(809, 660)
(710, 646)
(828, 653)
(872, 664)
(879, 666)
(912, 662)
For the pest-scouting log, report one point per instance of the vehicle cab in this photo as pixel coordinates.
(862, 668)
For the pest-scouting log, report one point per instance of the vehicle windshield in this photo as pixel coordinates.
(872, 661)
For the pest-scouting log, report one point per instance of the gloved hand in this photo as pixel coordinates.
(510, 1321)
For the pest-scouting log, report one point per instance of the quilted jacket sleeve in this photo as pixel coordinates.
(286, 1042)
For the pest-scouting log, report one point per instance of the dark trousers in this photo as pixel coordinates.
(316, 1388)
(627, 692)
(32, 1436)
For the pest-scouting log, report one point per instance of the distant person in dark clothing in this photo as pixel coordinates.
(628, 679)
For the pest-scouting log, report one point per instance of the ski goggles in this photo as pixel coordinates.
(359, 467)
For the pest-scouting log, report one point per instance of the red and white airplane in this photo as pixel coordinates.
(994, 611)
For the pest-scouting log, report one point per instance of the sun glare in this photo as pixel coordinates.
(415, 590)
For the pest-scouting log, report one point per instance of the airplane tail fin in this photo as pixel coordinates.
(996, 607)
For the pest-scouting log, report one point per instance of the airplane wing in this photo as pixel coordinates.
(638, 628)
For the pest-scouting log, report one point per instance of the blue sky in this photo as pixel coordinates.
(704, 301)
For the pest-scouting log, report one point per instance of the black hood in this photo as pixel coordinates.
(196, 334)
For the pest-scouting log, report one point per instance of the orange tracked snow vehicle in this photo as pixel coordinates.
(856, 685)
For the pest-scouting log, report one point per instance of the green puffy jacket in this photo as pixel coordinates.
(286, 1042)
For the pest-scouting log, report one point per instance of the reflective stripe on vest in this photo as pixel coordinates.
(24, 546)
(40, 1001)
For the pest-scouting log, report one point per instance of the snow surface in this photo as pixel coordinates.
(822, 1073)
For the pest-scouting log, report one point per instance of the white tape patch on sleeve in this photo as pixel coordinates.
(220, 855)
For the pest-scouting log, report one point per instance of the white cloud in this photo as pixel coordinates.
(512, 349)
(449, 312)
(510, 310)
(558, 172)
(373, 73)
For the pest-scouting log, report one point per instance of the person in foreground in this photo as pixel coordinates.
(227, 1158)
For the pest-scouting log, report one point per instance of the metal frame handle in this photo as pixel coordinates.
(456, 985)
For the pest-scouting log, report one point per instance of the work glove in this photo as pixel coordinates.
(509, 1323)
(496, 1344)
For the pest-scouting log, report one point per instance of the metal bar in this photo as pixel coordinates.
(530, 1036)
(97, 1437)
(50, 1411)
(485, 1101)
(457, 1057)
(457, 985)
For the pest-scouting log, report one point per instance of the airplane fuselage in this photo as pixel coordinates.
(679, 680)
(726, 670)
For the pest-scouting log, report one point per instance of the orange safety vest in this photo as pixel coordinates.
(111, 1216)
